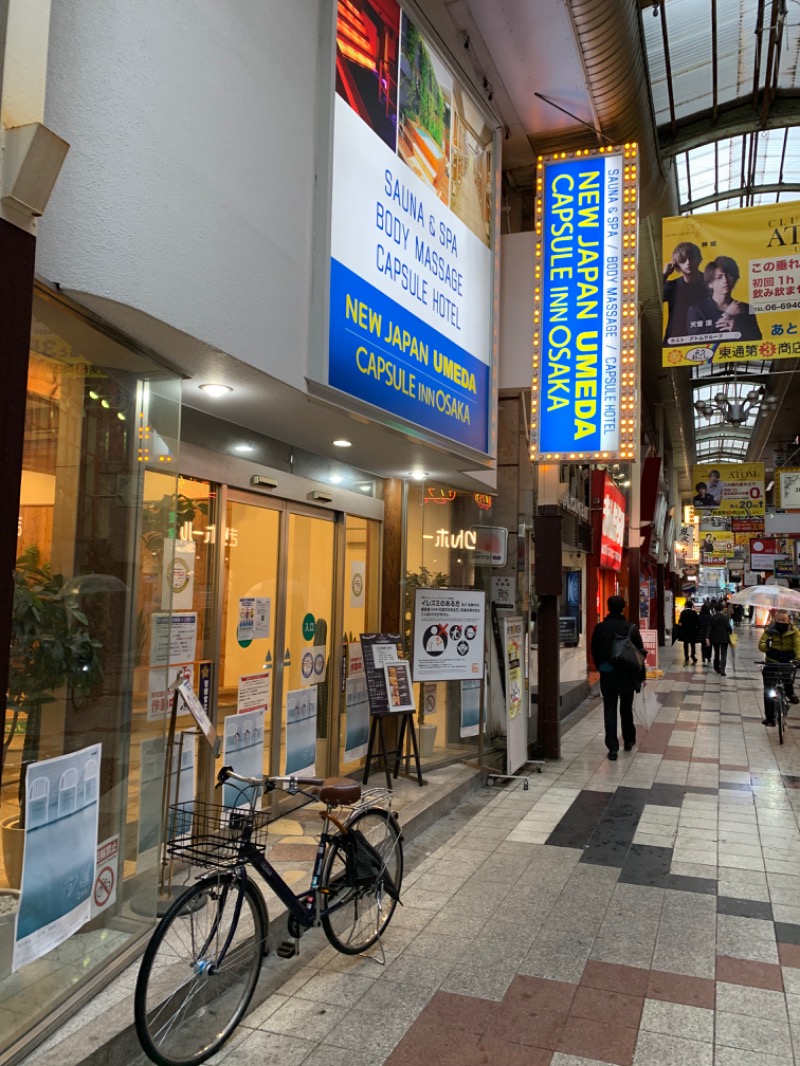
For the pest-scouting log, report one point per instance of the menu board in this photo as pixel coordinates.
(378, 649)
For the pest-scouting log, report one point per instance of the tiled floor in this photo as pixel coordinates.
(641, 912)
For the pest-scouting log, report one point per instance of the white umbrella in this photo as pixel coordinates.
(773, 597)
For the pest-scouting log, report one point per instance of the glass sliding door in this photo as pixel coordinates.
(309, 643)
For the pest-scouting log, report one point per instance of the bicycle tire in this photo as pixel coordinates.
(359, 916)
(782, 707)
(185, 1013)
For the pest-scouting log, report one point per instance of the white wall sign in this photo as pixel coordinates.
(254, 692)
(178, 578)
(357, 569)
(448, 634)
(173, 638)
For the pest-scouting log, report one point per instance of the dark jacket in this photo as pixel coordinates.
(688, 623)
(704, 625)
(720, 628)
(615, 625)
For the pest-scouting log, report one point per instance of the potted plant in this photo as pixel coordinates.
(50, 647)
(422, 578)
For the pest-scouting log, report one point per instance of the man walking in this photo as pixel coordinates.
(688, 622)
(720, 637)
(616, 683)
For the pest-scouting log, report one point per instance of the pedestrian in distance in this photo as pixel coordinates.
(720, 637)
(617, 684)
(688, 623)
(704, 632)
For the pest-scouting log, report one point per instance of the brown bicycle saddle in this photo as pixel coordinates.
(340, 790)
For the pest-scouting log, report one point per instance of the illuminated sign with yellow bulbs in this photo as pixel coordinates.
(584, 397)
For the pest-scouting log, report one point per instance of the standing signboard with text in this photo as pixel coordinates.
(448, 634)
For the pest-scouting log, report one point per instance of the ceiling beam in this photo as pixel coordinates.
(739, 118)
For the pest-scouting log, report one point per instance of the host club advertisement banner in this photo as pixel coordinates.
(732, 286)
(729, 489)
(585, 310)
(412, 209)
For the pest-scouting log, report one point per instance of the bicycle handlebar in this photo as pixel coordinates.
(290, 784)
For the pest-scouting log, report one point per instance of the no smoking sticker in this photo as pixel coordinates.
(104, 892)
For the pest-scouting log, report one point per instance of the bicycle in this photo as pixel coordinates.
(776, 676)
(202, 964)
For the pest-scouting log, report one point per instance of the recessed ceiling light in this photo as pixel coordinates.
(335, 479)
(244, 448)
(418, 475)
(342, 443)
(216, 390)
(366, 488)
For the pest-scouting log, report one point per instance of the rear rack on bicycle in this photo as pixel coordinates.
(210, 834)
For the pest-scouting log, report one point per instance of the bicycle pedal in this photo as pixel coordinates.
(287, 949)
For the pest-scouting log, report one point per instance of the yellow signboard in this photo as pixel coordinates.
(732, 286)
(734, 489)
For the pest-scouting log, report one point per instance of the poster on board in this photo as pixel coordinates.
(357, 719)
(60, 853)
(399, 687)
(729, 489)
(513, 652)
(301, 731)
(377, 649)
(448, 634)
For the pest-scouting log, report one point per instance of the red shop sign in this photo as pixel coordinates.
(612, 533)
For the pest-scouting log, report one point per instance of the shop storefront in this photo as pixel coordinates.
(605, 562)
(78, 833)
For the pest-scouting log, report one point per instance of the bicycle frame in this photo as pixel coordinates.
(303, 906)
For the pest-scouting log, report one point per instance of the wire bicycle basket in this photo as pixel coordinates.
(210, 834)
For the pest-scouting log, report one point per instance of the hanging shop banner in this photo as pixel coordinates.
(731, 286)
(612, 532)
(766, 551)
(785, 569)
(301, 731)
(60, 852)
(470, 708)
(357, 719)
(411, 231)
(243, 750)
(787, 489)
(377, 649)
(584, 352)
(747, 525)
(448, 634)
(719, 544)
(730, 489)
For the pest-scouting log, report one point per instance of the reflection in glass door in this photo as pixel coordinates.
(247, 652)
(309, 571)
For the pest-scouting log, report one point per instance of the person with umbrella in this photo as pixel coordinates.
(780, 643)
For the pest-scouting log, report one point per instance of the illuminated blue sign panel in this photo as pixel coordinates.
(412, 210)
(584, 357)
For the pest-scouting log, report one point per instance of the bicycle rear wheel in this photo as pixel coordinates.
(355, 918)
(199, 971)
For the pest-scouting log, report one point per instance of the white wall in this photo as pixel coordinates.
(188, 188)
(517, 252)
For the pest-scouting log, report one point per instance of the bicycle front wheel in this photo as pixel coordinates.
(355, 918)
(199, 971)
(783, 707)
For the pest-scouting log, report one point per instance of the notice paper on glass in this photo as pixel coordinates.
(357, 730)
(243, 750)
(58, 866)
(301, 731)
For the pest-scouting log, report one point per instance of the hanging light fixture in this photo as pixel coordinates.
(735, 409)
